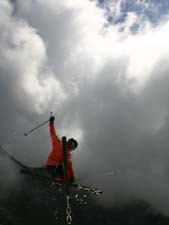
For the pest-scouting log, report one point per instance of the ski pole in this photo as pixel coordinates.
(113, 172)
(30, 131)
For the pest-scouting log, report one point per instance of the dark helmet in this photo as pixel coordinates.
(72, 143)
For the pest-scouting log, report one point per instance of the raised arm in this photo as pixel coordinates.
(53, 135)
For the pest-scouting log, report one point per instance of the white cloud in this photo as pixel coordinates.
(145, 52)
(23, 56)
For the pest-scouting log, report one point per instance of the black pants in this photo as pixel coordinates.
(55, 171)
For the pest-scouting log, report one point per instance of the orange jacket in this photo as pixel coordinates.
(56, 156)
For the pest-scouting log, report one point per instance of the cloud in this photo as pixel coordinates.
(106, 86)
(23, 68)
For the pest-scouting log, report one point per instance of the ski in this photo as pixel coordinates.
(82, 187)
(41, 172)
(66, 183)
(86, 188)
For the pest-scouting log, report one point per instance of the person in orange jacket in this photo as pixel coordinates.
(55, 158)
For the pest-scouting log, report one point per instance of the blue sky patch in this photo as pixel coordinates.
(116, 11)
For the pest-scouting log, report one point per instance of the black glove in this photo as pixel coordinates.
(71, 180)
(51, 120)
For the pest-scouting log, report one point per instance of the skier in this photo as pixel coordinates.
(55, 159)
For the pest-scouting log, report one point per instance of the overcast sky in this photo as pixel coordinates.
(102, 68)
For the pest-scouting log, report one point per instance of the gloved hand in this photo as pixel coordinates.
(71, 180)
(51, 120)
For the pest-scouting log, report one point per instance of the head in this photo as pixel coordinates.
(72, 144)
